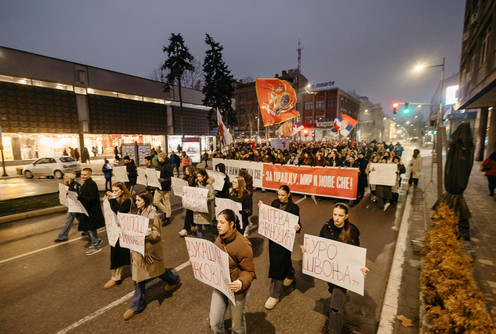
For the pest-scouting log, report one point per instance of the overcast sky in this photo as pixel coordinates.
(368, 46)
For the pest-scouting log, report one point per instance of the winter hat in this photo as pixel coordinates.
(72, 176)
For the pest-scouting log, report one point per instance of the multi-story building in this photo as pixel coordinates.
(48, 104)
(371, 119)
(478, 71)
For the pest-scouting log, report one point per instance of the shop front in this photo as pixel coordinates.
(192, 145)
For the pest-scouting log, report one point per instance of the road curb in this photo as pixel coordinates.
(34, 213)
(391, 295)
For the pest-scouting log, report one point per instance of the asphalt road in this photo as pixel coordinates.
(56, 288)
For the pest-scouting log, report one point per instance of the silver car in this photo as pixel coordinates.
(54, 166)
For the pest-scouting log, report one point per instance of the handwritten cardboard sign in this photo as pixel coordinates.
(335, 262)
(110, 223)
(141, 177)
(69, 199)
(195, 199)
(226, 203)
(210, 265)
(120, 174)
(178, 185)
(152, 176)
(383, 174)
(132, 231)
(277, 225)
(218, 179)
(233, 167)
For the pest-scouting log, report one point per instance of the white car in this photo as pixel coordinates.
(54, 166)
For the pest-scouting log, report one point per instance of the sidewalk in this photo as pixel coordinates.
(483, 237)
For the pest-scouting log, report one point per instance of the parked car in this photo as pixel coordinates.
(54, 166)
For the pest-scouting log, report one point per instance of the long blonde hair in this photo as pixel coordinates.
(241, 187)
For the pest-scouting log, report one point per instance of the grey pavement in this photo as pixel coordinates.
(483, 241)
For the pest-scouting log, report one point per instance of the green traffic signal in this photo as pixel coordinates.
(406, 110)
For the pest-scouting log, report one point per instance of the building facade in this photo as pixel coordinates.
(478, 72)
(48, 105)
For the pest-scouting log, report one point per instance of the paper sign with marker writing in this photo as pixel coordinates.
(210, 265)
(69, 199)
(110, 223)
(195, 199)
(120, 174)
(178, 185)
(132, 231)
(277, 225)
(226, 203)
(335, 262)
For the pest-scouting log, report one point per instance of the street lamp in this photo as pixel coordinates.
(258, 128)
(439, 153)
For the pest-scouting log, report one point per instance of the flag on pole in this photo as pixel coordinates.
(224, 135)
(285, 129)
(344, 124)
(297, 128)
(276, 99)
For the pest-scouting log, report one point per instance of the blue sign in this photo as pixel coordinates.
(325, 84)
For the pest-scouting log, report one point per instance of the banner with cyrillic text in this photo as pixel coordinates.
(226, 203)
(233, 167)
(210, 265)
(133, 231)
(329, 181)
(195, 199)
(120, 174)
(335, 262)
(110, 223)
(69, 199)
(178, 185)
(277, 225)
(383, 174)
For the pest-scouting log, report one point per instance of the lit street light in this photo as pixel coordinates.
(439, 151)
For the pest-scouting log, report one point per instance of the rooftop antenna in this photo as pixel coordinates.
(300, 48)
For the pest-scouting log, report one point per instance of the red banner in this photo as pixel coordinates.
(276, 99)
(330, 182)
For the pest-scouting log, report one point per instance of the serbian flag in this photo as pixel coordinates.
(344, 123)
(276, 99)
(297, 128)
(224, 135)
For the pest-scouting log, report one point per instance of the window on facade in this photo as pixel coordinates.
(308, 105)
(309, 119)
(319, 105)
(485, 47)
(332, 103)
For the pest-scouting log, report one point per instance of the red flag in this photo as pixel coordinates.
(276, 99)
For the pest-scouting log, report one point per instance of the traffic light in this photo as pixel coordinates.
(406, 110)
(395, 108)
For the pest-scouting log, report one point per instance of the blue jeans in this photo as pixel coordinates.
(138, 300)
(218, 308)
(69, 219)
(93, 235)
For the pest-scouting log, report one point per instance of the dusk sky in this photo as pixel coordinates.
(369, 46)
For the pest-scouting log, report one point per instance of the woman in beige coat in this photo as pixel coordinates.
(415, 168)
(203, 220)
(152, 264)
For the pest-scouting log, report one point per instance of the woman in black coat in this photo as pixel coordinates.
(238, 193)
(281, 271)
(120, 200)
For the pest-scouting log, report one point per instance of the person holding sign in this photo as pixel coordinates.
(151, 265)
(238, 193)
(69, 180)
(203, 220)
(281, 271)
(120, 200)
(189, 176)
(161, 198)
(242, 272)
(132, 172)
(340, 229)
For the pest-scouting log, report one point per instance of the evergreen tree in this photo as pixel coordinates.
(178, 61)
(218, 89)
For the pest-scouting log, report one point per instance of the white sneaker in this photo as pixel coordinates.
(386, 206)
(93, 250)
(183, 233)
(271, 303)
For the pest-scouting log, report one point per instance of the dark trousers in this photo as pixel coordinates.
(108, 184)
(188, 221)
(336, 312)
(138, 300)
(491, 180)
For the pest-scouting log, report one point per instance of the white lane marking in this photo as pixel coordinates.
(115, 303)
(53, 246)
(301, 199)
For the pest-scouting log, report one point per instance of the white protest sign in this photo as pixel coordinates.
(218, 179)
(178, 185)
(335, 262)
(277, 225)
(141, 176)
(110, 223)
(255, 169)
(152, 178)
(69, 199)
(383, 174)
(133, 230)
(210, 265)
(120, 174)
(195, 199)
(226, 203)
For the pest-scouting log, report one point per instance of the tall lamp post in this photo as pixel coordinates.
(439, 136)
(258, 129)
